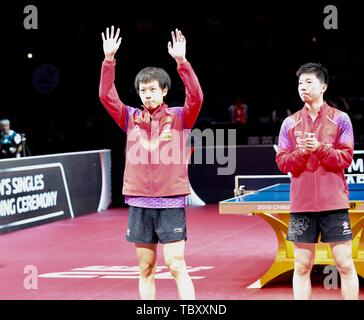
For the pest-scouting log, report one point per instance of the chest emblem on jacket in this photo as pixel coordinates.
(300, 142)
(166, 124)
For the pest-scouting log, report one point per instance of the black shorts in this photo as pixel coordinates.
(149, 225)
(307, 226)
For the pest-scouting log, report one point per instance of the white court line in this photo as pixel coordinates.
(17, 223)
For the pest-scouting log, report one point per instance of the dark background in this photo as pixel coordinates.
(251, 49)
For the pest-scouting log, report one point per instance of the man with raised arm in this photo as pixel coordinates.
(155, 186)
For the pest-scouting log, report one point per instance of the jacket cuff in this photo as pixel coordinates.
(183, 65)
(303, 155)
(320, 149)
(111, 63)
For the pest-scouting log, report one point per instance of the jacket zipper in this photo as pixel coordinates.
(314, 129)
(150, 155)
(315, 192)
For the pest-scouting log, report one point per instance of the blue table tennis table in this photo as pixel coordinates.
(272, 204)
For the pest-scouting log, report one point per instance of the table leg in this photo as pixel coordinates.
(284, 258)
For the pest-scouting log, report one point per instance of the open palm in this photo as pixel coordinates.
(177, 48)
(111, 42)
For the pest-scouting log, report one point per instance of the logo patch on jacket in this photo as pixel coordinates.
(166, 135)
(165, 120)
(300, 142)
(329, 141)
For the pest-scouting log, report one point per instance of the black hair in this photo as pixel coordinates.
(149, 74)
(316, 68)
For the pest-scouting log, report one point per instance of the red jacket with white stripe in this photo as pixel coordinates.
(317, 182)
(156, 161)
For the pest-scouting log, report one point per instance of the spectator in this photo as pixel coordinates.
(238, 111)
(239, 116)
(10, 141)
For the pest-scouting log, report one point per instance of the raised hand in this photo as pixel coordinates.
(177, 48)
(111, 43)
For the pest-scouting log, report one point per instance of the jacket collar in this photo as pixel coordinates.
(161, 111)
(324, 107)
